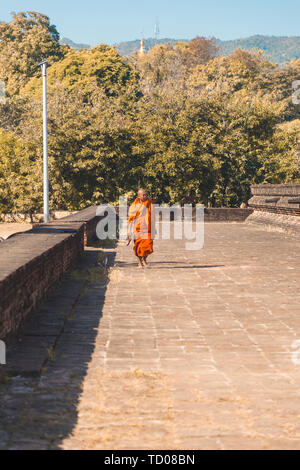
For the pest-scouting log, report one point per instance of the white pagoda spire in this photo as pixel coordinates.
(142, 50)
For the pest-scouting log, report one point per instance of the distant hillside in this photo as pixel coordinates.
(70, 43)
(278, 48)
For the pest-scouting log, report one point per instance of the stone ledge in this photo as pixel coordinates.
(30, 350)
(276, 198)
(226, 214)
(271, 208)
(33, 262)
(289, 189)
(287, 223)
(217, 214)
(86, 216)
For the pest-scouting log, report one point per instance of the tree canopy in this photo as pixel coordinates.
(178, 120)
(24, 42)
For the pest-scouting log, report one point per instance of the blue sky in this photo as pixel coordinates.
(110, 21)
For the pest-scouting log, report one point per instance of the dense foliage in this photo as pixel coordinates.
(180, 121)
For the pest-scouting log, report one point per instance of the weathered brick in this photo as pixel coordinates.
(32, 262)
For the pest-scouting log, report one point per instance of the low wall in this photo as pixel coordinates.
(276, 198)
(276, 205)
(33, 218)
(224, 214)
(216, 214)
(88, 218)
(32, 262)
(282, 222)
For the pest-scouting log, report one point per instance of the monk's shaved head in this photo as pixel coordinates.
(142, 190)
(142, 194)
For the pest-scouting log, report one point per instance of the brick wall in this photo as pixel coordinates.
(89, 219)
(224, 214)
(219, 214)
(32, 262)
(276, 198)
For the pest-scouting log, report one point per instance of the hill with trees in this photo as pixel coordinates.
(278, 49)
(74, 45)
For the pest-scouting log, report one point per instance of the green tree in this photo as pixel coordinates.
(20, 176)
(24, 42)
(200, 50)
(101, 66)
(176, 120)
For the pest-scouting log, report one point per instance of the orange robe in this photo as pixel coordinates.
(140, 216)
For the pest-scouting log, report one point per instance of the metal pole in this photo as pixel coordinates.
(45, 144)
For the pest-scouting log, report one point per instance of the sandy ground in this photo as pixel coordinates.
(8, 229)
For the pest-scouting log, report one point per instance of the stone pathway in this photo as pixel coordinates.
(198, 352)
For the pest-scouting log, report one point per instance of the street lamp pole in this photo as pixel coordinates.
(45, 143)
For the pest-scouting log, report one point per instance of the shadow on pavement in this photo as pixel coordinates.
(40, 412)
(167, 265)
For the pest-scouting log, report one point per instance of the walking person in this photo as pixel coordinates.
(141, 219)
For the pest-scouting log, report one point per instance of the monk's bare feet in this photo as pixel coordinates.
(140, 265)
(146, 263)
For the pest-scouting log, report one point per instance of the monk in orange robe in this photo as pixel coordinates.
(141, 215)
